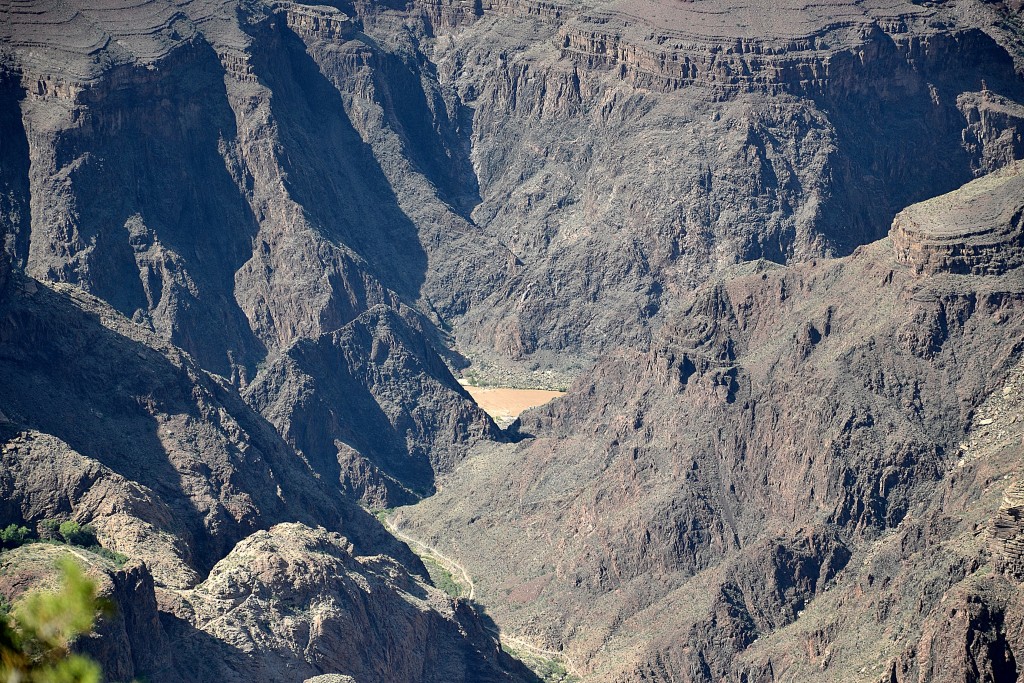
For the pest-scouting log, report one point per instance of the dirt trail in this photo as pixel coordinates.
(421, 548)
(456, 568)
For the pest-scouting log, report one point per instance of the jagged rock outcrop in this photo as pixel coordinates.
(294, 602)
(371, 407)
(994, 134)
(310, 202)
(977, 230)
(1008, 531)
(128, 641)
(112, 425)
(668, 482)
(288, 603)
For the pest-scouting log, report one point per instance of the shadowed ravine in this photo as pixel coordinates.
(737, 285)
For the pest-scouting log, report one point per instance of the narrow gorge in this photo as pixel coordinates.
(759, 266)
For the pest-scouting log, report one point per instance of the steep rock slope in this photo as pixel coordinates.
(104, 421)
(330, 611)
(626, 151)
(686, 499)
(288, 603)
(372, 407)
(479, 160)
(309, 201)
(196, 169)
(937, 598)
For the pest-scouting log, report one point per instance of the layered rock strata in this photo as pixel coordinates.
(978, 230)
(705, 491)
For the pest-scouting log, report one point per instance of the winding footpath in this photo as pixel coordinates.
(421, 548)
(455, 568)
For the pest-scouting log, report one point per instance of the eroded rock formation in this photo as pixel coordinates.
(978, 230)
(246, 243)
(732, 475)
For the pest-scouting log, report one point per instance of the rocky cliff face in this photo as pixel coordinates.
(252, 216)
(115, 427)
(474, 158)
(268, 229)
(709, 134)
(721, 481)
(373, 407)
(332, 612)
(288, 603)
(979, 230)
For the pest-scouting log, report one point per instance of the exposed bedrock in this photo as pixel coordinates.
(977, 230)
(114, 426)
(1008, 531)
(135, 202)
(288, 603)
(304, 205)
(507, 147)
(604, 185)
(672, 480)
(293, 602)
(475, 158)
(372, 407)
(243, 212)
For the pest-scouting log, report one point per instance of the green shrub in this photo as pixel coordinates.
(13, 535)
(117, 558)
(35, 644)
(75, 534)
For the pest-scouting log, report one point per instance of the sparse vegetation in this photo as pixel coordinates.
(49, 529)
(55, 531)
(548, 670)
(117, 558)
(36, 637)
(442, 578)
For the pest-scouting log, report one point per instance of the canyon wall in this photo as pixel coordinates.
(248, 245)
(683, 506)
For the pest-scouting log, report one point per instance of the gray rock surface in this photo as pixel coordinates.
(292, 602)
(688, 499)
(263, 225)
(371, 406)
(979, 229)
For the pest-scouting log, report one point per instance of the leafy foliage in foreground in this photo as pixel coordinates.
(35, 640)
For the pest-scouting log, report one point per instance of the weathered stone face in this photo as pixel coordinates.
(606, 156)
(268, 229)
(781, 429)
(977, 230)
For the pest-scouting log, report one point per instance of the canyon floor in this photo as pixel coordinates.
(739, 286)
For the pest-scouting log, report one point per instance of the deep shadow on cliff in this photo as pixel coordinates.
(698, 496)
